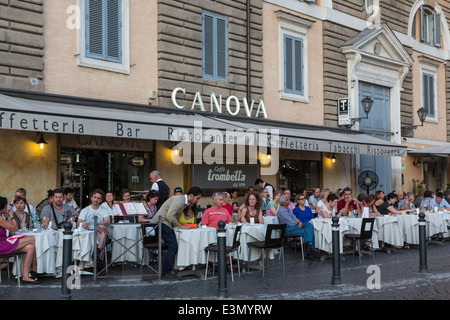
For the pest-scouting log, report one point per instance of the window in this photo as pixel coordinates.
(293, 65)
(293, 56)
(104, 35)
(215, 47)
(430, 27)
(429, 95)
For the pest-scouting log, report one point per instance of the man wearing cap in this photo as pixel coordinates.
(178, 191)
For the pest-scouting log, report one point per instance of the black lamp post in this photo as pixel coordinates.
(422, 113)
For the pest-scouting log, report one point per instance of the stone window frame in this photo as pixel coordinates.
(295, 27)
(429, 68)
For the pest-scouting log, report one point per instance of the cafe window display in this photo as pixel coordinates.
(297, 174)
(87, 169)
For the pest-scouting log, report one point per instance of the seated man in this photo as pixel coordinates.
(86, 219)
(57, 212)
(439, 202)
(216, 213)
(295, 226)
(347, 204)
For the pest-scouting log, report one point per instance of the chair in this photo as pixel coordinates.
(228, 250)
(364, 235)
(128, 218)
(296, 237)
(15, 255)
(270, 242)
(150, 242)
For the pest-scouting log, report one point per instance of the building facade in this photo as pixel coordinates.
(111, 84)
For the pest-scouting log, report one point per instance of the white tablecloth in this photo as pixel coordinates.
(390, 230)
(192, 244)
(270, 220)
(82, 249)
(436, 223)
(124, 236)
(249, 233)
(49, 250)
(323, 235)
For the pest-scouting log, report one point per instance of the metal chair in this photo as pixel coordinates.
(364, 235)
(228, 249)
(296, 237)
(15, 255)
(270, 243)
(151, 243)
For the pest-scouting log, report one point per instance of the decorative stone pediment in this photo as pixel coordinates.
(379, 43)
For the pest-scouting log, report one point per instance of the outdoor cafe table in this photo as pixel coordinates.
(323, 233)
(192, 244)
(249, 233)
(49, 250)
(126, 242)
(390, 230)
(436, 223)
(82, 249)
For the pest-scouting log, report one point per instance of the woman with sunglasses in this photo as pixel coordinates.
(302, 212)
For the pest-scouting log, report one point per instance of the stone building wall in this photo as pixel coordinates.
(22, 44)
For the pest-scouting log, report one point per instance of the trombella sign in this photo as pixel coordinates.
(218, 147)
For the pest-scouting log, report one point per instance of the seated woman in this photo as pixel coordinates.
(387, 207)
(126, 195)
(329, 209)
(379, 198)
(252, 208)
(109, 203)
(273, 205)
(25, 245)
(151, 198)
(189, 215)
(370, 205)
(302, 212)
(20, 218)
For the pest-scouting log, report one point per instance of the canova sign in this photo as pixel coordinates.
(232, 104)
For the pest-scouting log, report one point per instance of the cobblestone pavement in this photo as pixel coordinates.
(304, 280)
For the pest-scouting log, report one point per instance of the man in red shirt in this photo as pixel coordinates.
(226, 203)
(344, 206)
(216, 213)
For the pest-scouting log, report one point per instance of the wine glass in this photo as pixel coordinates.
(45, 222)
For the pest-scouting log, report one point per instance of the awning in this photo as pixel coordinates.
(441, 151)
(325, 140)
(114, 119)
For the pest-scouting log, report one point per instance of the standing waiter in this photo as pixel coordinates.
(160, 186)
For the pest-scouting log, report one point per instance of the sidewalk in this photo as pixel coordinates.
(399, 279)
